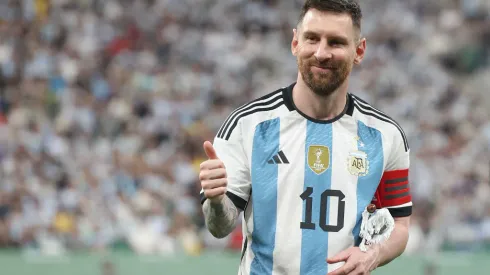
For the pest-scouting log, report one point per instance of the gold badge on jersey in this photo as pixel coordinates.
(318, 158)
(358, 164)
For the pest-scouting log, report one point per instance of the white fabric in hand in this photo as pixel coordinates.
(376, 227)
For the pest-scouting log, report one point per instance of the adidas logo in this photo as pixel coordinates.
(279, 158)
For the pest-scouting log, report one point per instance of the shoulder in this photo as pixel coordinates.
(261, 109)
(378, 119)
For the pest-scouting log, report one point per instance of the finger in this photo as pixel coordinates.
(219, 173)
(344, 270)
(212, 164)
(209, 149)
(215, 192)
(211, 184)
(340, 257)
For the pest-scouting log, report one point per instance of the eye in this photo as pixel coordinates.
(337, 43)
(311, 39)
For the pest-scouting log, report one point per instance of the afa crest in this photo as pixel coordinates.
(318, 158)
(358, 164)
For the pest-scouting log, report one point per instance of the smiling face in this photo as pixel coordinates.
(326, 45)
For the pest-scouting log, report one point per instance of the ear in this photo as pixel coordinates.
(294, 42)
(360, 51)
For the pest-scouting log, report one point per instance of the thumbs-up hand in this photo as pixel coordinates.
(213, 175)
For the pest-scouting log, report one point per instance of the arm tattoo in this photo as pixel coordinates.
(220, 218)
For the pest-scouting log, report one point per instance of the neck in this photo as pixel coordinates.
(317, 106)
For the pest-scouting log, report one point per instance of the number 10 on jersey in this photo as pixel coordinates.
(308, 223)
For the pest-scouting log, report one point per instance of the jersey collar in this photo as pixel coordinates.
(288, 101)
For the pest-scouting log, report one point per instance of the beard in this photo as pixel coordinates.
(324, 83)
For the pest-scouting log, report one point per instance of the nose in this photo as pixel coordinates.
(323, 52)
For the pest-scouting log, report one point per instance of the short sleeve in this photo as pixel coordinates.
(394, 189)
(231, 151)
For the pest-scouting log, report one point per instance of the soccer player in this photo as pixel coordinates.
(304, 162)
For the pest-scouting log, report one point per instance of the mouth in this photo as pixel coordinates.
(321, 69)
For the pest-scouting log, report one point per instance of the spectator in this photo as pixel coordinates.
(104, 105)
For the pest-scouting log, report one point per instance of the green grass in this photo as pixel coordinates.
(14, 263)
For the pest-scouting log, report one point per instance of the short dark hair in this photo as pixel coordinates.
(350, 7)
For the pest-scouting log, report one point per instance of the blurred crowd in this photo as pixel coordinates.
(104, 105)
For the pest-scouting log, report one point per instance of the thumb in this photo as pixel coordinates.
(341, 257)
(209, 149)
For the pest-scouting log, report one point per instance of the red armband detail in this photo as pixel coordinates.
(393, 189)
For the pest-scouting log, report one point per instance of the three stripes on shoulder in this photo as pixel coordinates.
(265, 103)
(279, 158)
(366, 109)
(275, 100)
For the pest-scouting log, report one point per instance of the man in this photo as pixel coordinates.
(305, 161)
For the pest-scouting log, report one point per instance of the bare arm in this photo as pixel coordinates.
(396, 244)
(220, 217)
(358, 262)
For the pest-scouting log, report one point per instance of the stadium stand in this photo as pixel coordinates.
(104, 105)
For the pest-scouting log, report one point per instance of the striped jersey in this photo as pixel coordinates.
(304, 183)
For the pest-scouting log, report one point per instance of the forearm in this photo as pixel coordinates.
(221, 217)
(395, 245)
